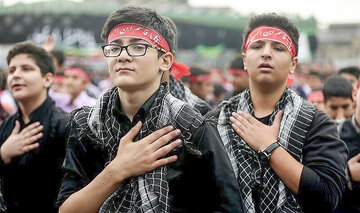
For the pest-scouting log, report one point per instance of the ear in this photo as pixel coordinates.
(166, 61)
(48, 79)
(354, 93)
(244, 58)
(294, 62)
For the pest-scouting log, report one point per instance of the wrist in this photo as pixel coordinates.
(116, 173)
(4, 157)
(265, 154)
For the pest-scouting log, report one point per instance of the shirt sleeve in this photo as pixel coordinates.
(82, 164)
(220, 181)
(325, 159)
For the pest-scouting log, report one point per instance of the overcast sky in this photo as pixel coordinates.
(325, 11)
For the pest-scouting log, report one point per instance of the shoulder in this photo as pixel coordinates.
(6, 127)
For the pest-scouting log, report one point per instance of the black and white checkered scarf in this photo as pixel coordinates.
(251, 174)
(148, 192)
(180, 91)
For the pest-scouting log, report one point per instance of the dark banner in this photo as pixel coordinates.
(84, 31)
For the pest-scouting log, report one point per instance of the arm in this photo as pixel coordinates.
(259, 136)
(220, 172)
(320, 179)
(132, 159)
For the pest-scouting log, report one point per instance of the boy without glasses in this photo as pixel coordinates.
(286, 154)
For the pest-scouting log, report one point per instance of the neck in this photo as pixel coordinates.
(29, 105)
(131, 101)
(73, 97)
(264, 99)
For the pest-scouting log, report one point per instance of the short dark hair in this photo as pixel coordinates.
(175, 29)
(140, 15)
(337, 86)
(273, 20)
(196, 70)
(59, 55)
(41, 57)
(354, 71)
(237, 63)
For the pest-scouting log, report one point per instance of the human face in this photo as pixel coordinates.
(239, 82)
(74, 84)
(25, 80)
(339, 108)
(202, 89)
(353, 80)
(141, 72)
(268, 63)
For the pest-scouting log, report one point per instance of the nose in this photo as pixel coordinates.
(266, 54)
(124, 56)
(340, 114)
(16, 73)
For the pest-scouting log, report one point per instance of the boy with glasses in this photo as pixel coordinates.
(118, 159)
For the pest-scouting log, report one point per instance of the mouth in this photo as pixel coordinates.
(266, 67)
(17, 86)
(124, 69)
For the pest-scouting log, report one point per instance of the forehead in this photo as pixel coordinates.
(338, 101)
(22, 59)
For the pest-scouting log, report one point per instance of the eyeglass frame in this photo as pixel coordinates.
(126, 49)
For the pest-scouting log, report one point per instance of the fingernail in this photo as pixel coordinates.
(171, 128)
(177, 131)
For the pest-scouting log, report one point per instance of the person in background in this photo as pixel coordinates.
(238, 77)
(32, 141)
(352, 74)
(201, 83)
(286, 154)
(349, 132)
(75, 82)
(339, 98)
(317, 98)
(315, 80)
(218, 96)
(178, 79)
(59, 61)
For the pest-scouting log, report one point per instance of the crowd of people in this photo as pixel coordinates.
(265, 134)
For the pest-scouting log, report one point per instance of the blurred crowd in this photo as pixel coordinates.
(334, 91)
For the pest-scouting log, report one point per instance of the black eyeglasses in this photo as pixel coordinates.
(134, 50)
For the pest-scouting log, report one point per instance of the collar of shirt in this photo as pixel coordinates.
(38, 114)
(355, 124)
(140, 114)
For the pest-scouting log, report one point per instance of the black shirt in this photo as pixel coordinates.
(322, 179)
(197, 184)
(30, 182)
(350, 134)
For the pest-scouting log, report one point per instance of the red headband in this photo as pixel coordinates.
(179, 70)
(317, 96)
(273, 34)
(130, 30)
(200, 78)
(237, 72)
(78, 72)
